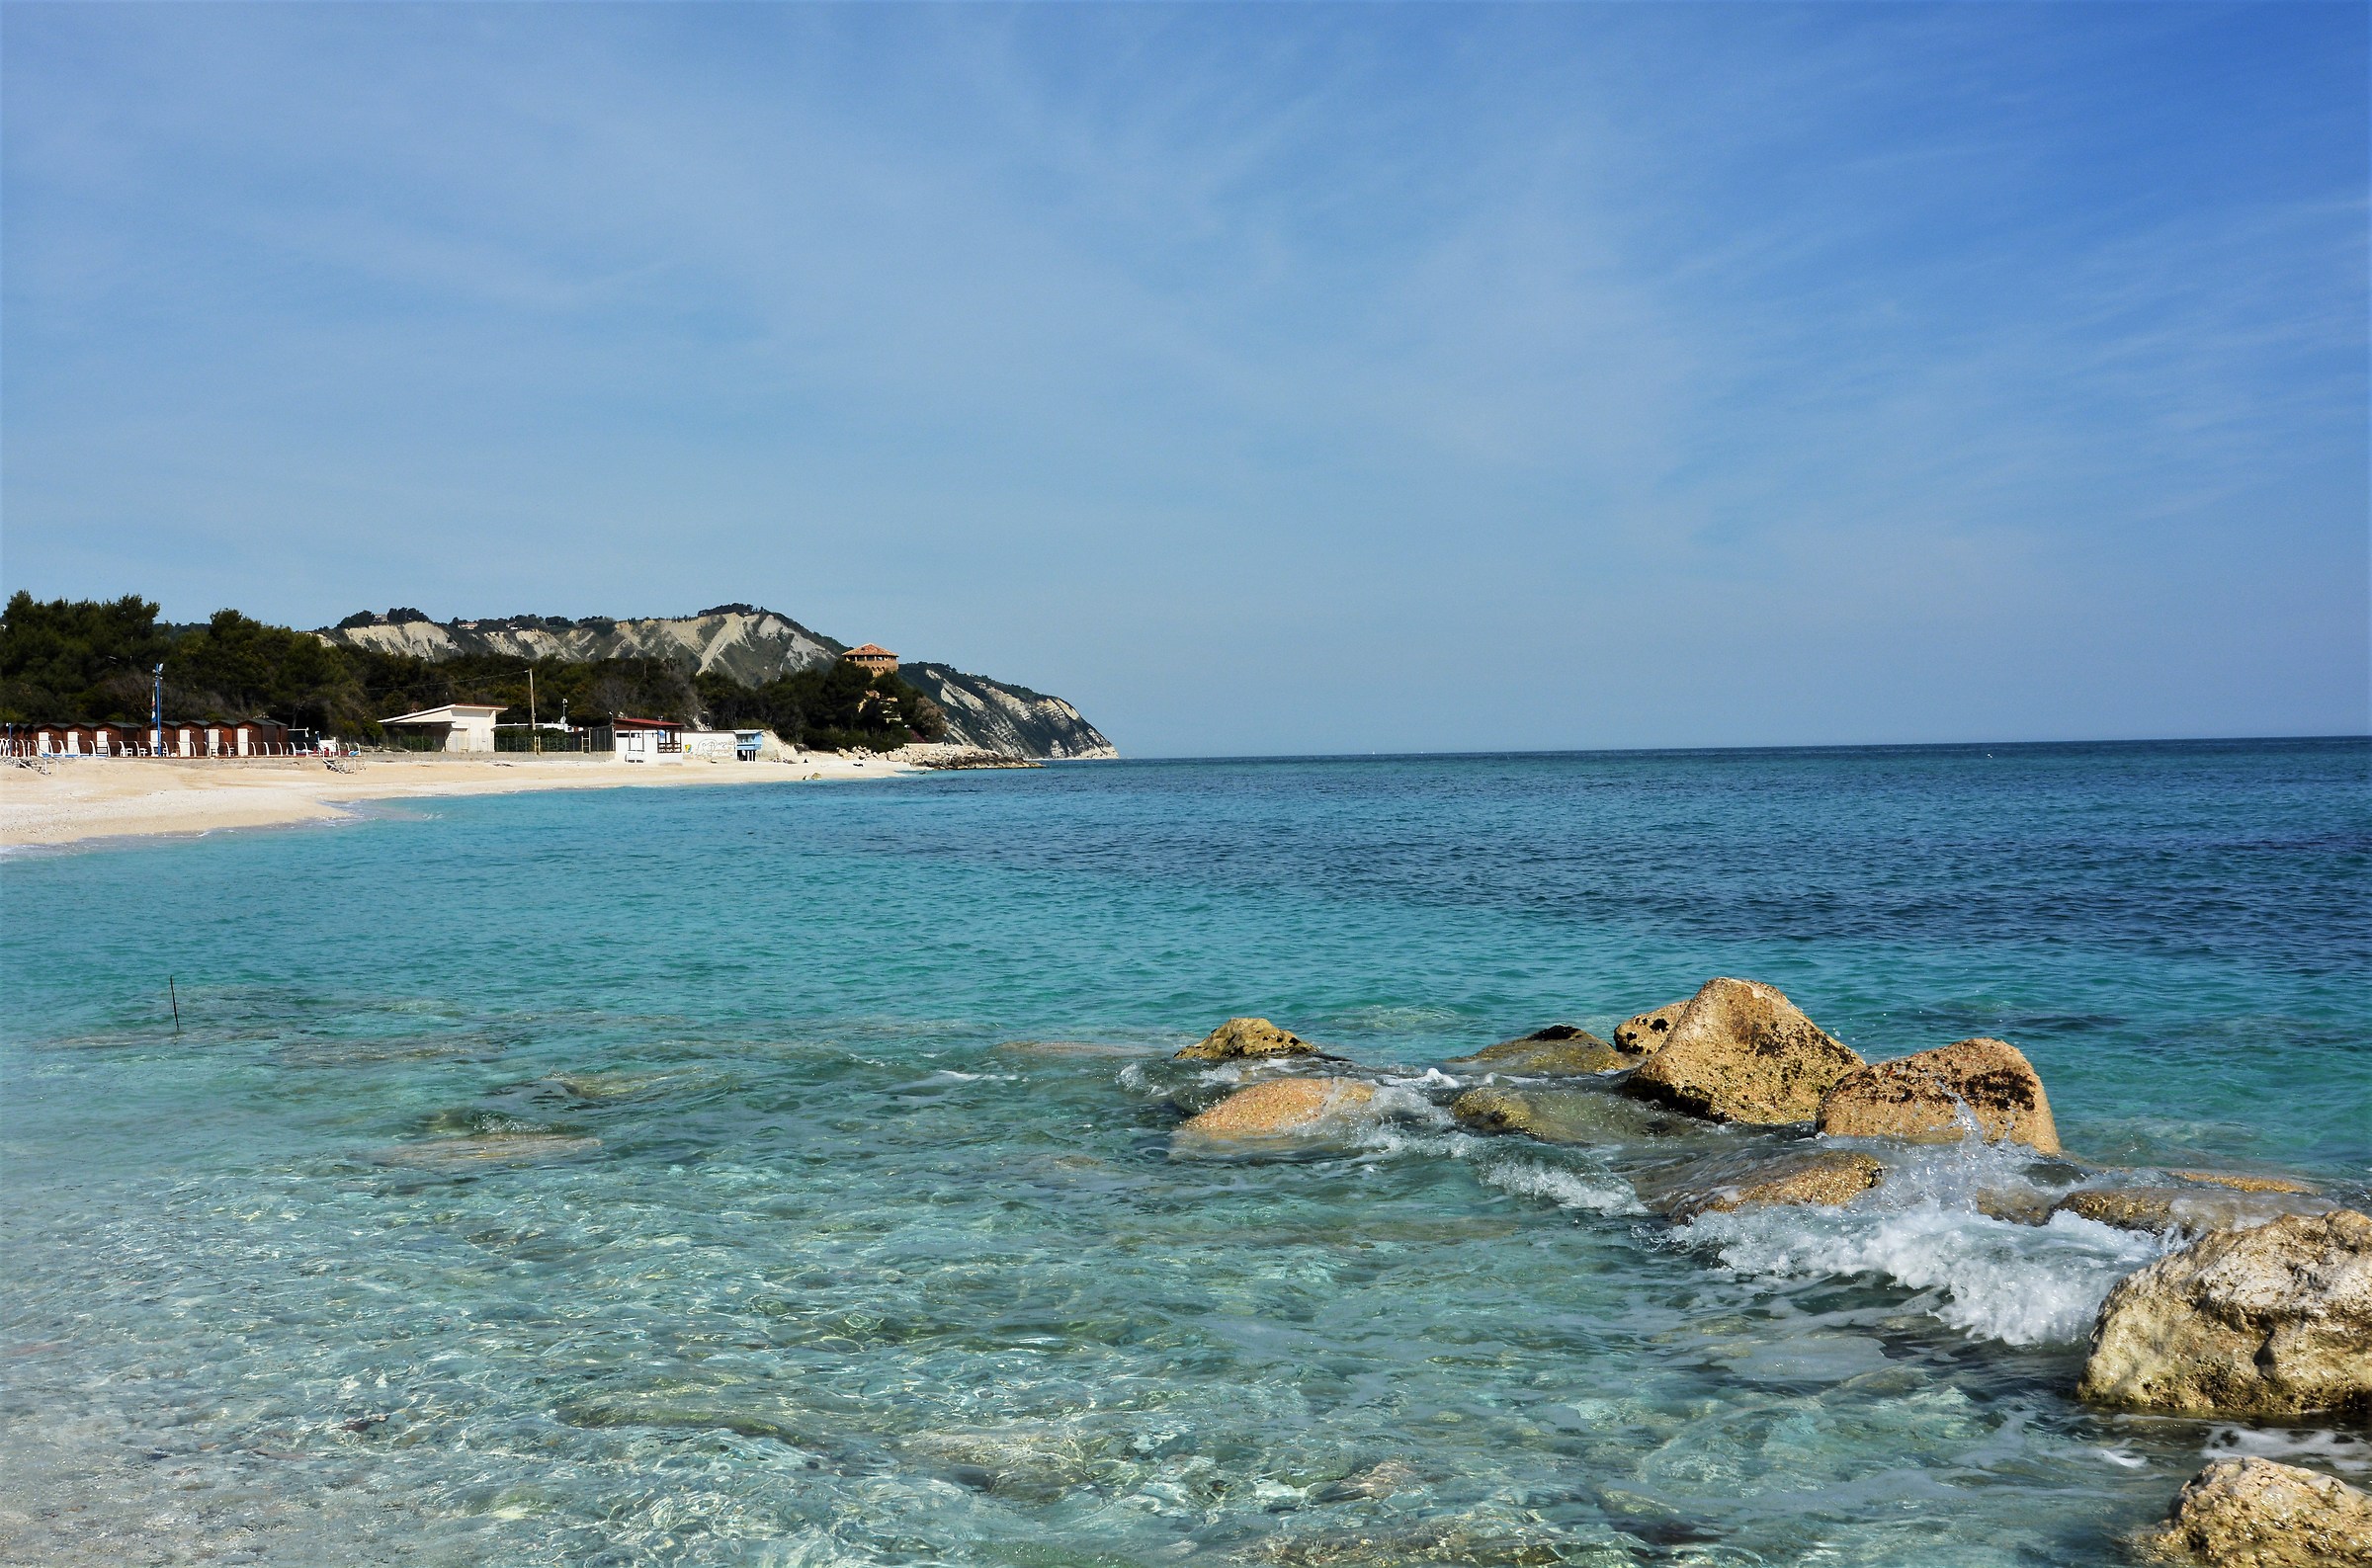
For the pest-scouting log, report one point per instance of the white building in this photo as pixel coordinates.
(465, 726)
(647, 739)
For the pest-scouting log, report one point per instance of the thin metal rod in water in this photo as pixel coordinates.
(176, 996)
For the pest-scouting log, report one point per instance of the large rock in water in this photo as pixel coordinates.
(2270, 1321)
(2256, 1514)
(1922, 1096)
(1561, 1049)
(1743, 1052)
(1281, 1107)
(1245, 1036)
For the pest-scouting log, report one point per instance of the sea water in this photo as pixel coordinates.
(784, 1174)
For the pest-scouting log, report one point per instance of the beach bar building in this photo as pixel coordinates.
(647, 739)
(464, 726)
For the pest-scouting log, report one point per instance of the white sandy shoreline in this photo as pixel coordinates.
(104, 797)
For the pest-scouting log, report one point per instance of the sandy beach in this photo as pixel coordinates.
(96, 797)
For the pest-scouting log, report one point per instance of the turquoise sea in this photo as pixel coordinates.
(655, 1176)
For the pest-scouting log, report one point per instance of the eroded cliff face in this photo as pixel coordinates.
(752, 646)
(1011, 720)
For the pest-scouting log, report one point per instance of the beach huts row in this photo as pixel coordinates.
(454, 727)
(251, 737)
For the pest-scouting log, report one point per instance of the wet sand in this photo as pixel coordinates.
(95, 797)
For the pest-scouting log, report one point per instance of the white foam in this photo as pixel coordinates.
(2342, 1451)
(2022, 1284)
(1495, 1162)
(1566, 1189)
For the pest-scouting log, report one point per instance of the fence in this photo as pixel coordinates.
(548, 742)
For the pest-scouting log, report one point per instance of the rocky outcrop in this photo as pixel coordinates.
(1561, 1049)
(1925, 1095)
(746, 643)
(1280, 1108)
(1562, 1115)
(2271, 1321)
(1824, 1177)
(1741, 1051)
(2256, 1514)
(997, 716)
(1241, 1037)
(1643, 1034)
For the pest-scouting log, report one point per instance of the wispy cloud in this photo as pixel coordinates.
(1217, 365)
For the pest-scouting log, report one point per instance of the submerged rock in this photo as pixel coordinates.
(2240, 1182)
(2256, 1514)
(1643, 1034)
(1066, 1048)
(1826, 1177)
(2270, 1321)
(1240, 1037)
(486, 1148)
(1741, 1051)
(1923, 1096)
(1380, 1480)
(1562, 1115)
(2191, 1209)
(1280, 1107)
(1558, 1050)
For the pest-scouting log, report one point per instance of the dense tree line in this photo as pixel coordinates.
(88, 660)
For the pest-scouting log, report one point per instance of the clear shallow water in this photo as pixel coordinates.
(785, 1255)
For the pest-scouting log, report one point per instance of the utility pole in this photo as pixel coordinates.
(532, 726)
(157, 728)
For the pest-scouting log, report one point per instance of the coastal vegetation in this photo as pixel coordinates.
(93, 661)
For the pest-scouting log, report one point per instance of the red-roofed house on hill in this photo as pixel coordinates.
(873, 658)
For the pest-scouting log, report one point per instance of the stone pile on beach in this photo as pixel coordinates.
(2265, 1313)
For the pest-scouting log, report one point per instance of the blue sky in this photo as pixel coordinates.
(1264, 380)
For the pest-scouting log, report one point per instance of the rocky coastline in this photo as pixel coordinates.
(2260, 1309)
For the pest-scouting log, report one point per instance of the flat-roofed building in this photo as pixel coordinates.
(647, 739)
(465, 726)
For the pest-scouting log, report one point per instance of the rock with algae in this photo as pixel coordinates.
(1643, 1034)
(1741, 1051)
(2275, 1320)
(2257, 1514)
(1241, 1037)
